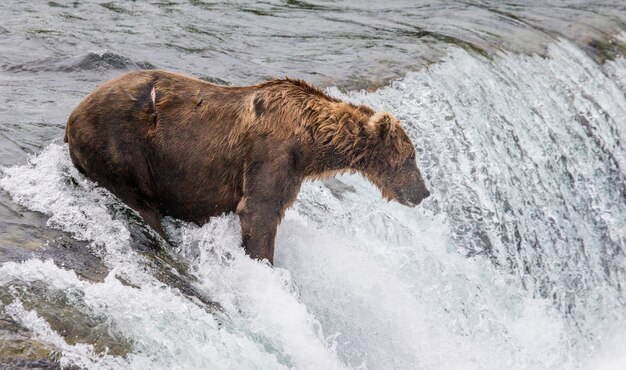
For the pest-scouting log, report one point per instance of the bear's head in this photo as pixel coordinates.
(391, 165)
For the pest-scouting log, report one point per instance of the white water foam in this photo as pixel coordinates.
(167, 329)
(616, 69)
(81, 355)
(519, 153)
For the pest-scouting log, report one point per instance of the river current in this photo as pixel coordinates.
(516, 261)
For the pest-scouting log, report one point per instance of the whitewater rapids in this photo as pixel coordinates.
(516, 261)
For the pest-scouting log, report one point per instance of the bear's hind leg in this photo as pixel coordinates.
(152, 217)
(135, 199)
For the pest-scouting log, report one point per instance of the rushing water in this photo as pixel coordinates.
(517, 260)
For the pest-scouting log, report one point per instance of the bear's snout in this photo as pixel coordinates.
(412, 197)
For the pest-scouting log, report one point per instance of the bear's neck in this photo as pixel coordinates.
(336, 139)
(339, 149)
(328, 163)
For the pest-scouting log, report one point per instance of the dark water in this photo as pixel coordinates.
(53, 53)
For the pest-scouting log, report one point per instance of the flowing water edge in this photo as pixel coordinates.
(361, 282)
(516, 261)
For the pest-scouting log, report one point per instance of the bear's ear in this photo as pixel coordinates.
(380, 126)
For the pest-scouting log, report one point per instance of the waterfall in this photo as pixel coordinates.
(516, 261)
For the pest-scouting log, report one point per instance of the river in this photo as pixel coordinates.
(517, 260)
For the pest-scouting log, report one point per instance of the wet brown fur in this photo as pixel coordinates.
(199, 150)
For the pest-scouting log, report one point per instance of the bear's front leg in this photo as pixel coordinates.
(258, 231)
(269, 188)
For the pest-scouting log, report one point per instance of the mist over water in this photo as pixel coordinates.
(516, 261)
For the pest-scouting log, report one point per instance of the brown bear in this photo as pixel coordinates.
(168, 144)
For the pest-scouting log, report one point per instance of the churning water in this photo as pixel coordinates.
(517, 260)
